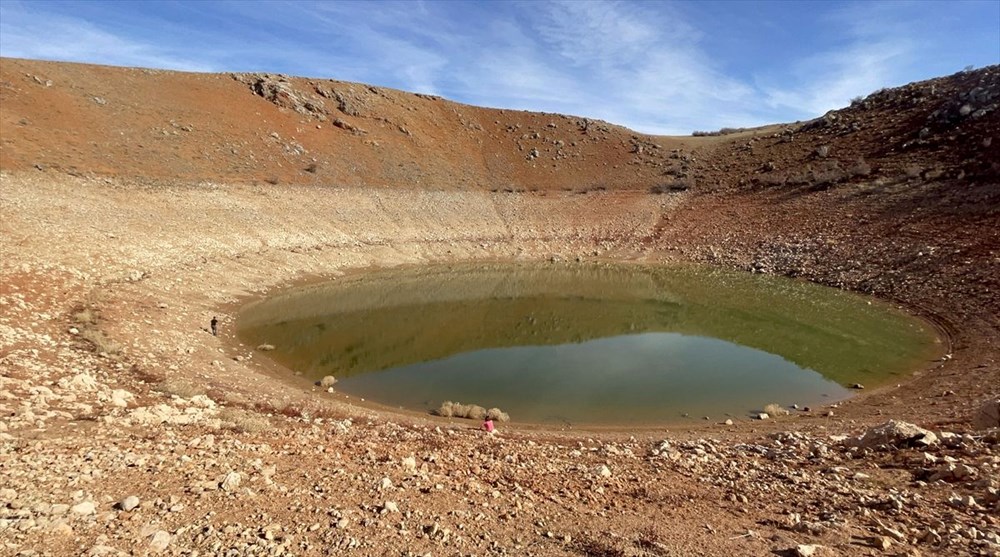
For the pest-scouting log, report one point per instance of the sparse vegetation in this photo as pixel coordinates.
(860, 168)
(775, 409)
(101, 343)
(683, 183)
(243, 420)
(723, 131)
(497, 415)
(451, 409)
(180, 387)
(85, 316)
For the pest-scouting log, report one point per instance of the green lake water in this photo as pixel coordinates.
(587, 343)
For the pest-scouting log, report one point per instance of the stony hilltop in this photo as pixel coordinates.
(136, 204)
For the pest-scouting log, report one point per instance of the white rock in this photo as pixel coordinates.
(84, 508)
(806, 550)
(128, 503)
(895, 434)
(61, 528)
(390, 507)
(79, 382)
(386, 483)
(231, 482)
(410, 464)
(120, 398)
(603, 471)
(159, 541)
(763, 416)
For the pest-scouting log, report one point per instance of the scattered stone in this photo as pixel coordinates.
(409, 464)
(895, 434)
(265, 347)
(159, 541)
(390, 507)
(806, 550)
(762, 416)
(84, 508)
(231, 482)
(988, 415)
(129, 503)
(61, 528)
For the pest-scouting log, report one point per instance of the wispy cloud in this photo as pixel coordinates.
(829, 80)
(649, 66)
(55, 37)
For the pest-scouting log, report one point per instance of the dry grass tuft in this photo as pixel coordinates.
(243, 420)
(451, 409)
(85, 316)
(775, 409)
(180, 387)
(497, 415)
(100, 342)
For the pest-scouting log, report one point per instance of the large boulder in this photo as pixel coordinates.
(988, 415)
(895, 434)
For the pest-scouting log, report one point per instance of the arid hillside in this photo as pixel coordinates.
(137, 204)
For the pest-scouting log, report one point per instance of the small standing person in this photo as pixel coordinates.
(488, 426)
(215, 326)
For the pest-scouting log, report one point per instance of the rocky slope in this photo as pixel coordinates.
(136, 204)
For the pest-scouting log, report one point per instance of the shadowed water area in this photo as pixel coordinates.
(587, 343)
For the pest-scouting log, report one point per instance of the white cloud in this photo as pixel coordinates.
(54, 37)
(642, 65)
(829, 80)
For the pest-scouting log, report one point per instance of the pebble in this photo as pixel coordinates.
(128, 503)
(84, 508)
(159, 541)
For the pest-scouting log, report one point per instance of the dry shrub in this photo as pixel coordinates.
(450, 409)
(860, 168)
(243, 420)
(85, 316)
(100, 342)
(497, 415)
(601, 546)
(327, 381)
(446, 410)
(775, 409)
(180, 387)
(829, 172)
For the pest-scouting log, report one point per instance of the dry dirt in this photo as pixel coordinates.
(136, 204)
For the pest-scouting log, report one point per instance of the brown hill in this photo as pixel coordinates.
(135, 205)
(271, 128)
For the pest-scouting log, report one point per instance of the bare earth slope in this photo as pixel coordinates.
(136, 204)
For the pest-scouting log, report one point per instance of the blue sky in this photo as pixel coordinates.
(657, 67)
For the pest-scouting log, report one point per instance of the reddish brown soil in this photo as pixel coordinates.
(158, 199)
